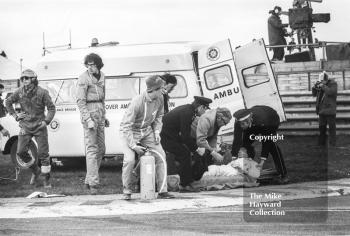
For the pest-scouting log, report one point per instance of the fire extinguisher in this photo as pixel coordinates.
(147, 178)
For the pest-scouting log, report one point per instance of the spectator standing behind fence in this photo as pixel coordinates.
(326, 106)
(170, 83)
(276, 33)
(33, 121)
(140, 128)
(91, 103)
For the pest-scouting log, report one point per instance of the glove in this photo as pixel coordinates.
(107, 123)
(20, 116)
(42, 124)
(200, 151)
(217, 156)
(261, 163)
(139, 150)
(157, 137)
(90, 124)
(5, 133)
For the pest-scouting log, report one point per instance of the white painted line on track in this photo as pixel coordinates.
(107, 205)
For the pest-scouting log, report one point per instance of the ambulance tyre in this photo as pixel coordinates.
(30, 160)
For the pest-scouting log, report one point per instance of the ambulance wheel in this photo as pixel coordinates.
(30, 160)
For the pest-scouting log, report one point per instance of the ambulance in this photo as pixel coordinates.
(232, 78)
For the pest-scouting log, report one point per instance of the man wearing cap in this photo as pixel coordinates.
(170, 83)
(33, 121)
(140, 128)
(264, 121)
(90, 95)
(176, 137)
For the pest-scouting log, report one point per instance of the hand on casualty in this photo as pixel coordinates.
(217, 156)
(139, 150)
(261, 163)
(200, 151)
(157, 137)
(90, 124)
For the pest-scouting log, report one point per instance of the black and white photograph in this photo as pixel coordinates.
(164, 117)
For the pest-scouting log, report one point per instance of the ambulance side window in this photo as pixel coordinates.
(121, 88)
(180, 90)
(255, 75)
(67, 92)
(52, 87)
(61, 91)
(218, 77)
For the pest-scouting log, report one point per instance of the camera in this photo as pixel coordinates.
(318, 85)
(317, 88)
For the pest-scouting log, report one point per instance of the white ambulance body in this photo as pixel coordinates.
(231, 78)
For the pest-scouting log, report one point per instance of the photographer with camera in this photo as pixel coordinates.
(325, 90)
(277, 32)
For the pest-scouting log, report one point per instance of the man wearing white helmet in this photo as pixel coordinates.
(33, 121)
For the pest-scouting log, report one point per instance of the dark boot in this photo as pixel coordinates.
(322, 139)
(47, 183)
(34, 180)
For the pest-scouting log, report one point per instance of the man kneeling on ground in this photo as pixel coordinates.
(206, 132)
(177, 140)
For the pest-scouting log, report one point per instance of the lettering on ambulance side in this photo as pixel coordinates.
(225, 93)
(66, 109)
(117, 106)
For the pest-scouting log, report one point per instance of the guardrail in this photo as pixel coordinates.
(319, 44)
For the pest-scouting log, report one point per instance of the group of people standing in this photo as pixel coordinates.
(186, 136)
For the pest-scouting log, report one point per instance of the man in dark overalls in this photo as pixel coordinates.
(262, 121)
(176, 137)
(33, 122)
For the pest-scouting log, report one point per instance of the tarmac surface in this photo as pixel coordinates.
(106, 205)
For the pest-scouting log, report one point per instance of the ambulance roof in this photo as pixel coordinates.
(119, 59)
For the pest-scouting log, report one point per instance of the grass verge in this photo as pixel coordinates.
(304, 161)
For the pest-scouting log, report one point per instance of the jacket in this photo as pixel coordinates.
(207, 130)
(33, 104)
(90, 96)
(142, 117)
(265, 122)
(326, 102)
(275, 30)
(177, 125)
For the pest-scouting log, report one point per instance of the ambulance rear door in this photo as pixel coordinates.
(218, 78)
(256, 77)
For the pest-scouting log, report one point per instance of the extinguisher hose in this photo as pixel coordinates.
(165, 170)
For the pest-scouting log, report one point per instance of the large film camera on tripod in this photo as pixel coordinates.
(301, 19)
